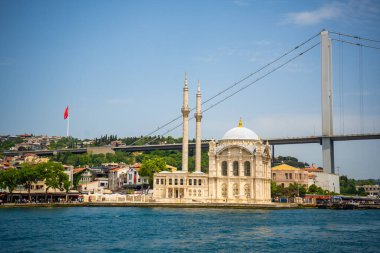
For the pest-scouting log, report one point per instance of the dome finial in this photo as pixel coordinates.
(240, 123)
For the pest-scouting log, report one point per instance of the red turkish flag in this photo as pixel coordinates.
(66, 113)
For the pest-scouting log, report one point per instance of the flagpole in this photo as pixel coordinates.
(68, 126)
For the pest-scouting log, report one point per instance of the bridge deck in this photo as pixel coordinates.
(178, 146)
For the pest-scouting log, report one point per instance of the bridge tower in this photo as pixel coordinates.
(327, 103)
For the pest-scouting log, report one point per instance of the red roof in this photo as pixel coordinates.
(78, 170)
(313, 169)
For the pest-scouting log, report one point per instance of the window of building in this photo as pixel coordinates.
(176, 181)
(170, 192)
(195, 182)
(162, 181)
(235, 189)
(199, 181)
(290, 175)
(286, 176)
(224, 190)
(157, 181)
(247, 169)
(246, 191)
(235, 167)
(190, 181)
(274, 176)
(199, 193)
(170, 181)
(224, 168)
(190, 193)
(181, 181)
(195, 193)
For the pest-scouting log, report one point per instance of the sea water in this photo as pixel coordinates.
(126, 229)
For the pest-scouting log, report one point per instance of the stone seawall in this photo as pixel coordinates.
(166, 205)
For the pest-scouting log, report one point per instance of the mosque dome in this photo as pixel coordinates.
(240, 133)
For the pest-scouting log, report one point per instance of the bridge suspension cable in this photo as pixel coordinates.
(231, 86)
(356, 44)
(243, 88)
(355, 36)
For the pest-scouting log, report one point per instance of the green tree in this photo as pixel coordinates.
(29, 175)
(9, 179)
(53, 174)
(362, 192)
(66, 185)
(347, 185)
(313, 189)
(151, 166)
(274, 189)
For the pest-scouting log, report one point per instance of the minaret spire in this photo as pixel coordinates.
(185, 130)
(198, 118)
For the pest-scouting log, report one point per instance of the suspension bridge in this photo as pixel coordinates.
(326, 139)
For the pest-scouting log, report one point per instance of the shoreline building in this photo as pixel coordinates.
(239, 167)
(285, 175)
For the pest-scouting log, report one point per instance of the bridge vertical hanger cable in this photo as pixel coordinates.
(343, 110)
(341, 124)
(361, 88)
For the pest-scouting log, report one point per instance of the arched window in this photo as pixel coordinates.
(224, 190)
(170, 193)
(190, 181)
(235, 189)
(199, 181)
(170, 181)
(246, 191)
(235, 168)
(247, 168)
(199, 193)
(224, 168)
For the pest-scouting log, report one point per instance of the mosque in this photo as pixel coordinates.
(239, 167)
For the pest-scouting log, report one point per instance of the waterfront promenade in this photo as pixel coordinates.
(144, 204)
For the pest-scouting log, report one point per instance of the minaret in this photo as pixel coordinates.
(185, 132)
(198, 118)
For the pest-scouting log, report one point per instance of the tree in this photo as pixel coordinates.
(66, 186)
(362, 192)
(273, 189)
(347, 185)
(151, 166)
(9, 179)
(53, 174)
(29, 175)
(313, 189)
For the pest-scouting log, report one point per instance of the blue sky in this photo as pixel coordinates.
(120, 65)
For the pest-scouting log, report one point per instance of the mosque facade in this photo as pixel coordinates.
(239, 167)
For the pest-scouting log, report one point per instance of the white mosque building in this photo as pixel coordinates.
(239, 167)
